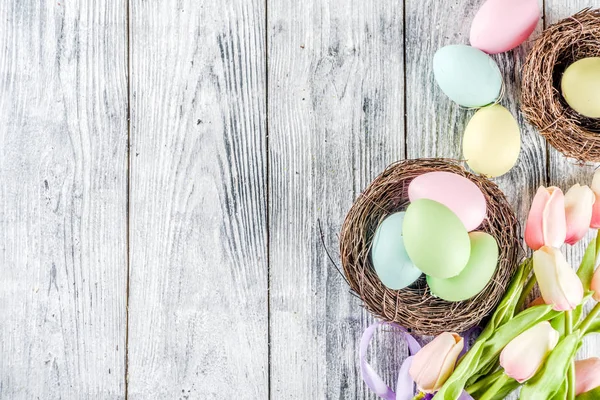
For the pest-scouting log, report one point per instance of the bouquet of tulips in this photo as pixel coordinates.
(533, 346)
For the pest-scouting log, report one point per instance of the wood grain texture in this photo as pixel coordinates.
(564, 172)
(253, 123)
(198, 276)
(335, 121)
(63, 199)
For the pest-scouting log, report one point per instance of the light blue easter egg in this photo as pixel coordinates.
(391, 262)
(467, 75)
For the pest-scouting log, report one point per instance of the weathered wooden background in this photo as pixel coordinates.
(164, 166)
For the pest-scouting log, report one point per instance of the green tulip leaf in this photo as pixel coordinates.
(594, 327)
(548, 381)
(507, 389)
(588, 263)
(558, 324)
(506, 309)
(561, 393)
(593, 394)
(578, 311)
(484, 370)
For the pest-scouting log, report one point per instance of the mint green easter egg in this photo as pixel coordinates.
(475, 276)
(467, 75)
(392, 264)
(436, 240)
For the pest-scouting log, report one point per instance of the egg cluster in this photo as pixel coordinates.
(436, 235)
(471, 78)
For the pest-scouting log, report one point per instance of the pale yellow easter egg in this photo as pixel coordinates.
(580, 86)
(492, 141)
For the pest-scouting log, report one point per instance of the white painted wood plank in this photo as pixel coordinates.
(336, 104)
(198, 279)
(564, 171)
(63, 199)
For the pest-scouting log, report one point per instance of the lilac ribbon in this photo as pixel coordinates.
(405, 386)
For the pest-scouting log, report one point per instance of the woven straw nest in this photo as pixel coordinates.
(415, 307)
(542, 103)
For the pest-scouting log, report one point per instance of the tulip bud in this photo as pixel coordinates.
(524, 355)
(559, 284)
(546, 223)
(435, 362)
(595, 285)
(579, 202)
(595, 223)
(587, 375)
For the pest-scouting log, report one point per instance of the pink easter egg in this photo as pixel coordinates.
(501, 25)
(456, 192)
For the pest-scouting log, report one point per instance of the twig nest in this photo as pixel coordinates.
(415, 307)
(543, 104)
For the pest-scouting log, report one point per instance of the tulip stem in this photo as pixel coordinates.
(495, 388)
(571, 370)
(585, 324)
(526, 290)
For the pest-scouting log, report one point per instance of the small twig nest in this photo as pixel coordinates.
(415, 307)
(559, 46)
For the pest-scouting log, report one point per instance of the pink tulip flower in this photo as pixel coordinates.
(595, 285)
(579, 202)
(546, 223)
(595, 223)
(523, 356)
(587, 375)
(559, 284)
(435, 362)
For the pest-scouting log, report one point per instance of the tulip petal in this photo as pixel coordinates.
(579, 202)
(559, 284)
(434, 363)
(595, 222)
(595, 285)
(450, 361)
(523, 356)
(534, 236)
(554, 224)
(570, 286)
(587, 375)
(596, 182)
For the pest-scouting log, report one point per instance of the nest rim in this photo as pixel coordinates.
(542, 103)
(415, 307)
